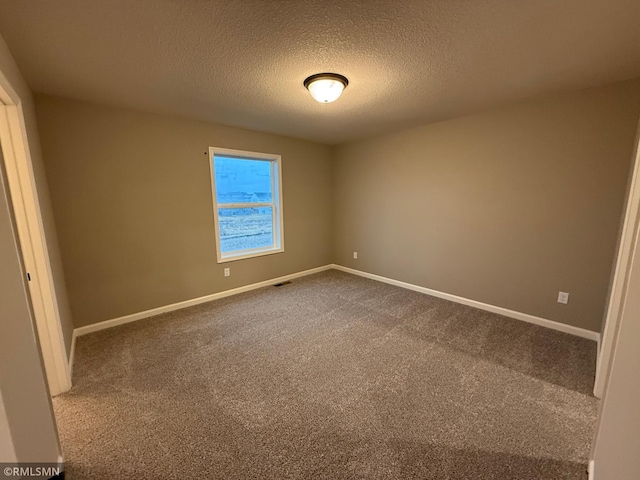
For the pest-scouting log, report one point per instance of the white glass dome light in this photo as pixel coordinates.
(326, 87)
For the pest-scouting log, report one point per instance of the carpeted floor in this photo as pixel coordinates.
(330, 377)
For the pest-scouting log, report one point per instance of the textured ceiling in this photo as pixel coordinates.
(242, 63)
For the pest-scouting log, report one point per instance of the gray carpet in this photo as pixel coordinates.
(330, 377)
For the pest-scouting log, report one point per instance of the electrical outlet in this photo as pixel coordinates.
(227, 272)
(563, 297)
(355, 255)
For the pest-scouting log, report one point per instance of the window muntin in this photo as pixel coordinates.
(247, 201)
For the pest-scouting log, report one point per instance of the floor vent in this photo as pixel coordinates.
(281, 284)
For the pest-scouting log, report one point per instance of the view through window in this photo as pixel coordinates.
(247, 203)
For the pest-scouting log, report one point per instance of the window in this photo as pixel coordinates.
(247, 203)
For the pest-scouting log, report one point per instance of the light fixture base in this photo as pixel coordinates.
(329, 76)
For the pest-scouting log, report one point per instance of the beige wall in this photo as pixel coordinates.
(25, 397)
(132, 198)
(506, 207)
(7, 451)
(10, 70)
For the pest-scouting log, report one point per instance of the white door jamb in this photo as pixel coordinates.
(24, 197)
(621, 275)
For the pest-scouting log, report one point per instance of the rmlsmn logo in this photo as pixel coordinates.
(32, 471)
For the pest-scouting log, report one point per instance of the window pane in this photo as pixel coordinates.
(244, 228)
(242, 181)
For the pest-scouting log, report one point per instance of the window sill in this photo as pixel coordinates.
(250, 254)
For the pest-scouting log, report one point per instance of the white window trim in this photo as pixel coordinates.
(276, 188)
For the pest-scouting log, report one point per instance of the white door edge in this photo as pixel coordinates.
(24, 197)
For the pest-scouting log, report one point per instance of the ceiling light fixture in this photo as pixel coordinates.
(326, 87)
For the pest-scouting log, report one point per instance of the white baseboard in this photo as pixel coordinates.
(543, 322)
(188, 303)
(592, 469)
(95, 327)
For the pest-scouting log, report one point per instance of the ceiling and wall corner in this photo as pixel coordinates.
(435, 205)
(136, 186)
(506, 207)
(409, 62)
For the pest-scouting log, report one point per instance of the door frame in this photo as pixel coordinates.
(24, 198)
(621, 275)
